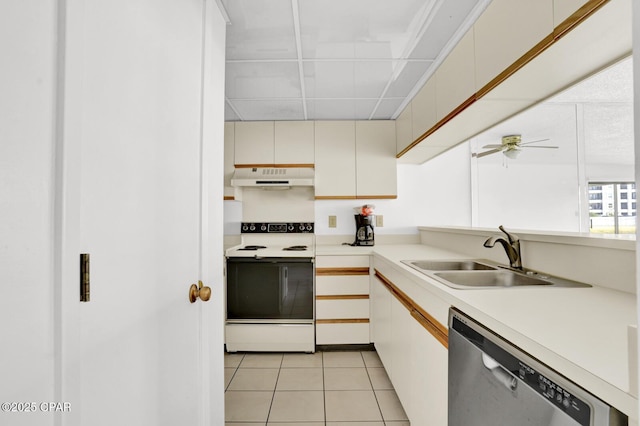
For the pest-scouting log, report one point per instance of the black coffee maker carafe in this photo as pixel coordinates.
(364, 230)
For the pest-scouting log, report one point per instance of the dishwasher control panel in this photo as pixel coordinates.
(554, 393)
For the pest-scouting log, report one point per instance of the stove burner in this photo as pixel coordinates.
(295, 248)
(253, 248)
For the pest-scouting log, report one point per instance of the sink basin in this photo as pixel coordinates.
(448, 265)
(479, 274)
(477, 279)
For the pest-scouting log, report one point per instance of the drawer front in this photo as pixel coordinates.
(342, 333)
(342, 308)
(341, 285)
(342, 261)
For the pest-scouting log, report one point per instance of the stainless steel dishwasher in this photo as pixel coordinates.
(491, 382)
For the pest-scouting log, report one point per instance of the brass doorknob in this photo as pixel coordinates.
(199, 291)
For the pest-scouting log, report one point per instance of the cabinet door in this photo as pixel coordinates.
(294, 143)
(402, 352)
(455, 82)
(335, 159)
(380, 314)
(229, 151)
(423, 109)
(562, 9)
(254, 143)
(429, 366)
(376, 166)
(404, 131)
(497, 45)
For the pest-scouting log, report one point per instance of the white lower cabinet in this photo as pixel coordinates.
(342, 300)
(414, 359)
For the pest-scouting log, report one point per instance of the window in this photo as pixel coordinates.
(616, 217)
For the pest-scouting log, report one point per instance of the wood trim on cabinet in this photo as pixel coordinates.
(278, 166)
(342, 271)
(342, 297)
(356, 197)
(335, 197)
(343, 321)
(432, 325)
(566, 26)
(376, 197)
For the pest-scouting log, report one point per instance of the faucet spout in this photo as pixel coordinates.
(511, 247)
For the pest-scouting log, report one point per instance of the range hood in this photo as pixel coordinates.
(273, 177)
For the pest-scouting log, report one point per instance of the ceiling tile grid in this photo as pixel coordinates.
(335, 59)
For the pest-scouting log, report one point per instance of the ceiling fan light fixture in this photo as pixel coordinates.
(511, 153)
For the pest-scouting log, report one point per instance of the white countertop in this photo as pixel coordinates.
(581, 332)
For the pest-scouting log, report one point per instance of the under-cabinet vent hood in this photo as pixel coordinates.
(272, 177)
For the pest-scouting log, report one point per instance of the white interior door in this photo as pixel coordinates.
(137, 200)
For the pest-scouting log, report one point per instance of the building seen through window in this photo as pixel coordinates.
(610, 209)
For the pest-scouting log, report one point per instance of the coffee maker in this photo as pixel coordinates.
(364, 230)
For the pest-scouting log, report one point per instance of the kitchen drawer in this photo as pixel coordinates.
(341, 307)
(342, 333)
(342, 261)
(342, 285)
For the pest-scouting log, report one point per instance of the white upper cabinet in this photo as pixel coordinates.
(254, 142)
(507, 30)
(455, 77)
(229, 152)
(404, 131)
(294, 143)
(282, 143)
(562, 9)
(423, 109)
(376, 166)
(335, 159)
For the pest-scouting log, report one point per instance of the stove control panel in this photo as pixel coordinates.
(276, 228)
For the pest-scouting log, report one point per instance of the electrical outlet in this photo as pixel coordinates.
(333, 221)
(379, 221)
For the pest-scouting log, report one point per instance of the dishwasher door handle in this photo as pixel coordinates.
(499, 372)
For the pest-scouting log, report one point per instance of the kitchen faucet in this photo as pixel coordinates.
(511, 246)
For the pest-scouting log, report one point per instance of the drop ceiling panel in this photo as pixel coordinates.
(386, 108)
(346, 79)
(260, 30)
(444, 22)
(343, 60)
(260, 80)
(407, 75)
(356, 28)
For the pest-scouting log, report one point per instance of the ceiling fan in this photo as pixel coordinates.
(511, 146)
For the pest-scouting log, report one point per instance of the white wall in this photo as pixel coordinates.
(27, 126)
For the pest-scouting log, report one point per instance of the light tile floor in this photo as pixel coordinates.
(325, 388)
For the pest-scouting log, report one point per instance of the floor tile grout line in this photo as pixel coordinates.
(324, 392)
(236, 368)
(273, 395)
(375, 395)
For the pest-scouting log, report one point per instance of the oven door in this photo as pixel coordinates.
(274, 289)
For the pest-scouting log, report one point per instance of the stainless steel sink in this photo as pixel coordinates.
(478, 274)
(448, 265)
(478, 279)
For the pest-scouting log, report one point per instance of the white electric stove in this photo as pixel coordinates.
(271, 289)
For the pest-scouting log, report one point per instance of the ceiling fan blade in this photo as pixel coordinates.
(483, 154)
(492, 145)
(536, 141)
(541, 146)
